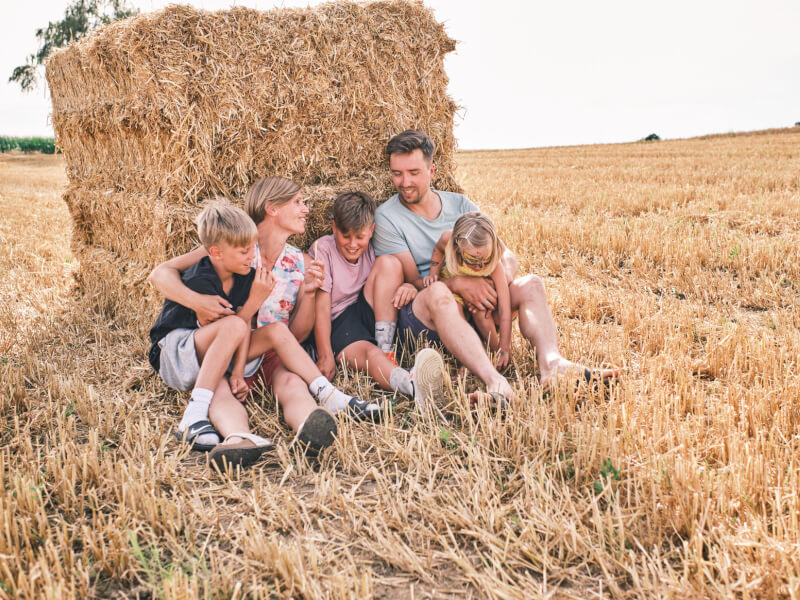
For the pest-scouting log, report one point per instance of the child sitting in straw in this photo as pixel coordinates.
(473, 249)
(357, 303)
(211, 360)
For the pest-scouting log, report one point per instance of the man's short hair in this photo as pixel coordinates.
(408, 141)
(221, 222)
(353, 211)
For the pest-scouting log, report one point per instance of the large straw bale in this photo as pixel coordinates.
(161, 111)
(196, 103)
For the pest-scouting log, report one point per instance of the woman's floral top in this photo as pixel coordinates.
(288, 272)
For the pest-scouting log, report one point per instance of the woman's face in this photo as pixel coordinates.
(292, 215)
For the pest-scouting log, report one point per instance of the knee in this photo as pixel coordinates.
(235, 328)
(531, 286)
(388, 265)
(275, 331)
(440, 297)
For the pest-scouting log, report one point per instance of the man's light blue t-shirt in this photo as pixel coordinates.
(397, 229)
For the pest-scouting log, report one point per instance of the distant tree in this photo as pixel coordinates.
(81, 17)
(653, 137)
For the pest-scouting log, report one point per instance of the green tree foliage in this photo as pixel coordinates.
(81, 17)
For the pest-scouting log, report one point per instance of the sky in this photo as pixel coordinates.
(533, 73)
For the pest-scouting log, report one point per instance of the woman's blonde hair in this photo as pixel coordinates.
(477, 230)
(275, 191)
(221, 222)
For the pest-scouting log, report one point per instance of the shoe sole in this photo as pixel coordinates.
(318, 432)
(236, 456)
(429, 376)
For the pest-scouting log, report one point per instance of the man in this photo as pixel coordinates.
(409, 224)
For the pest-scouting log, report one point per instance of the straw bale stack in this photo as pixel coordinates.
(161, 111)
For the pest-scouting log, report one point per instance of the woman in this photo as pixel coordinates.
(277, 207)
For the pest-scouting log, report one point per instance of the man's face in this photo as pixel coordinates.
(352, 244)
(411, 175)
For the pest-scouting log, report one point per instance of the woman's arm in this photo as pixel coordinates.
(302, 320)
(166, 278)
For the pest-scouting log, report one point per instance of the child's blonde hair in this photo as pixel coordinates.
(221, 222)
(477, 230)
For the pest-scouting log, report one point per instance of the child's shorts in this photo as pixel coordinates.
(355, 323)
(179, 366)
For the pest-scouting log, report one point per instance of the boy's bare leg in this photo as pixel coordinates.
(438, 310)
(216, 343)
(382, 283)
(537, 325)
(379, 291)
(367, 357)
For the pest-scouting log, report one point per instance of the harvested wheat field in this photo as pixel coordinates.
(676, 260)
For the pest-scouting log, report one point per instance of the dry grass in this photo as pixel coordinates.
(676, 260)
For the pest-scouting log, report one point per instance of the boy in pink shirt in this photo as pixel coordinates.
(356, 306)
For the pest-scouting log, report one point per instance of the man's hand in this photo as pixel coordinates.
(404, 294)
(315, 275)
(263, 284)
(478, 292)
(210, 308)
(238, 386)
(327, 366)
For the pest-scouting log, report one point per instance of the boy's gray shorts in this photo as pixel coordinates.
(179, 365)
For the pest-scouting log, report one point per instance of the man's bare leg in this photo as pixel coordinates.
(538, 327)
(438, 310)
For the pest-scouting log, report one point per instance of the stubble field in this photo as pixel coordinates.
(677, 261)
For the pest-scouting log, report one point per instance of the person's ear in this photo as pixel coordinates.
(215, 252)
(372, 229)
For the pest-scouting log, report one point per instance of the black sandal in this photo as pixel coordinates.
(193, 431)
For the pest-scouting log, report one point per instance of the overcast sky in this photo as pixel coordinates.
(542, 73)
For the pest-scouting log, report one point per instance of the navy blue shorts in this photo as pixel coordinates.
(410, 328)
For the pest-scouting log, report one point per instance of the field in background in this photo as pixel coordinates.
(677, 261)
(28, 144)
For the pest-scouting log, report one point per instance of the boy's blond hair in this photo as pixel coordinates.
(221, 222)
(477, 230)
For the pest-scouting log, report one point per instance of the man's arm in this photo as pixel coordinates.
(166, 278)
(410, 271)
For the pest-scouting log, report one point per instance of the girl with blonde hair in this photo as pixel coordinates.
(472, 249)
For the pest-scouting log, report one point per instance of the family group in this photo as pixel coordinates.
(246, 306)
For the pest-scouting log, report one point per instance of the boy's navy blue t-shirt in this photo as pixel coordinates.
(201, 278)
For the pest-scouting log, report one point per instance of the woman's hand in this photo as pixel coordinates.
(404, 294)
(314, 276)
(210, 308)
(263, 284)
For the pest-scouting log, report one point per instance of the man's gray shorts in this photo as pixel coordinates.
(179, 366)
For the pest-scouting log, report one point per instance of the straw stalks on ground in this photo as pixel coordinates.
(676, 261)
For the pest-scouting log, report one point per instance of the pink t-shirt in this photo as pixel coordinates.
(343, 279)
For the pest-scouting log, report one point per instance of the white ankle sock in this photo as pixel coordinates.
(197, 410)
(330, 397)
(400, 380)
(384, 334)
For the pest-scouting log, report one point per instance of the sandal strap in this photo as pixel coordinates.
(256, 439)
